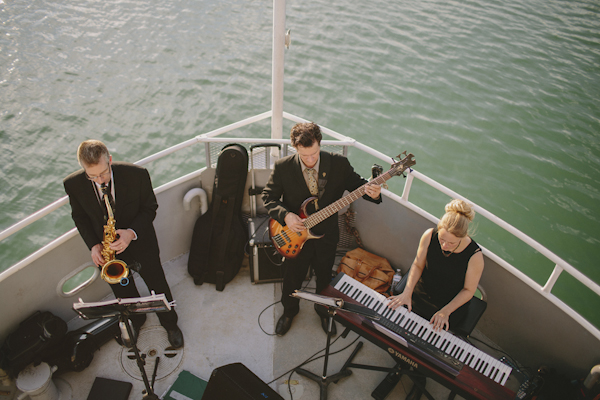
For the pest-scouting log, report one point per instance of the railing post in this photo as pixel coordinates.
(277, 69)
(407, 185)
(552, 279)
(207, 154)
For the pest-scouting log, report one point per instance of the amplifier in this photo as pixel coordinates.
(236, 382)
(265, 260)
(258, 230)
(265, 264)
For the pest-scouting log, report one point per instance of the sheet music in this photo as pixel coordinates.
(317, 298)
(136, 305)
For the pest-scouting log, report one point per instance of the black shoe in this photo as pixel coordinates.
(283, 325)
(416, 392)
(325, 325)
(175, 337)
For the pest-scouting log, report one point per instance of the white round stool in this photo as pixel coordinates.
(36, 382)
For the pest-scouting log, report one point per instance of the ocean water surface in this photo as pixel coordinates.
(498, 100)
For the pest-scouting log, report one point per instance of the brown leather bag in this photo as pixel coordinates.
(373, 271)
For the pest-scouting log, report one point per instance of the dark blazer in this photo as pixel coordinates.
(135, 206)
(286, 189)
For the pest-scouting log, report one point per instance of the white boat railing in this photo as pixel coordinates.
(341, 140)
(560, 264)
(209, 137)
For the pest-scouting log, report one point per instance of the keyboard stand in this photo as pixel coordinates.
(392, 378)
(394, 373)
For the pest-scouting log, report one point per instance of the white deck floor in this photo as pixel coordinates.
(222, 328)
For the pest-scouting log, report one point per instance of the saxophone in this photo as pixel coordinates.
(113, 271)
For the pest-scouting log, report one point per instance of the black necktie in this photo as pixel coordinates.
(106, 191)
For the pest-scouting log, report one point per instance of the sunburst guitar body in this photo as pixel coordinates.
(287, 242)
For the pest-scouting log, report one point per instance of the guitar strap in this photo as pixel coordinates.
(215, 210)
(222, 251)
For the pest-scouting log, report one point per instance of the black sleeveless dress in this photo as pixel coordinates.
(442, 279)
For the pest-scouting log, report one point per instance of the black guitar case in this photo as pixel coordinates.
(219, 238)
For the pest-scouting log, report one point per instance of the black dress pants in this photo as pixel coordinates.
(316, 253)
(423, 305)
(154, 277)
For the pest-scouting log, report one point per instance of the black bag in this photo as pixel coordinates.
(77, 349)
(35, 340)
(219, 238)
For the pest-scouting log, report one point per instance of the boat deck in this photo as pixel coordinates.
(221, 328)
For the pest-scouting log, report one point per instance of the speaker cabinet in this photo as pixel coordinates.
(265, 264)
(265, 261)
(235, 381)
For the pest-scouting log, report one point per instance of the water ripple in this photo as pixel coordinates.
(497, 99)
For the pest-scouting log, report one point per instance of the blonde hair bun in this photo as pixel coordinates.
(457, 218)
(461, 207)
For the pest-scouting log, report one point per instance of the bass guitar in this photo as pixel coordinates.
(289, 243)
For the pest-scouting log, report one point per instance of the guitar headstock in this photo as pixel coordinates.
(399, 167)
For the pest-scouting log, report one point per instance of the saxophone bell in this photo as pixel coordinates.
(115, 271)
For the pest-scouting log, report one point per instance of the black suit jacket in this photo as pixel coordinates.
(135, 207)
(286, 189)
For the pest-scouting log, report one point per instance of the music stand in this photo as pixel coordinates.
(123, 308)
(332, 304)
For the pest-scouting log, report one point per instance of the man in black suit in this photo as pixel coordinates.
(134, 210)
(289, 185)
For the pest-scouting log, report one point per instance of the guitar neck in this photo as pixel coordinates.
(334, 207)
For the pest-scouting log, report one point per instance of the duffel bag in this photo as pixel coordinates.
(367, 268)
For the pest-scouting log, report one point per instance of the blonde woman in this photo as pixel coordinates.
(446, 271)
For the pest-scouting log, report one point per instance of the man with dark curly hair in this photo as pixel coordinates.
(309, 173)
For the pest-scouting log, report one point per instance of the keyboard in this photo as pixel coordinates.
(443, 348)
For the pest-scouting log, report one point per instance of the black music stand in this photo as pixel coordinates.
(123, 308)
(332, 304)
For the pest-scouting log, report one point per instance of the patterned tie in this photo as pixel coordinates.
(312, 181)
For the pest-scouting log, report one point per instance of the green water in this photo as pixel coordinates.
(498, 100)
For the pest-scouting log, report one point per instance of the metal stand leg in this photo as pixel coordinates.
(149, 395)
(392, 378)
(325, 380)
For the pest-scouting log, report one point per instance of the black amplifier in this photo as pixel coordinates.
(265, 260)
(237, 382)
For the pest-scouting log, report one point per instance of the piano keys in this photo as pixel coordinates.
(443, 350)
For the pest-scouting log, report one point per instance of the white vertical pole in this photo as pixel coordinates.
(277, 73)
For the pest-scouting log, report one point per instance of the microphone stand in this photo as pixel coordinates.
(332, 305)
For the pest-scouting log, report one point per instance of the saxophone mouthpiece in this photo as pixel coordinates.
(104, 188)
